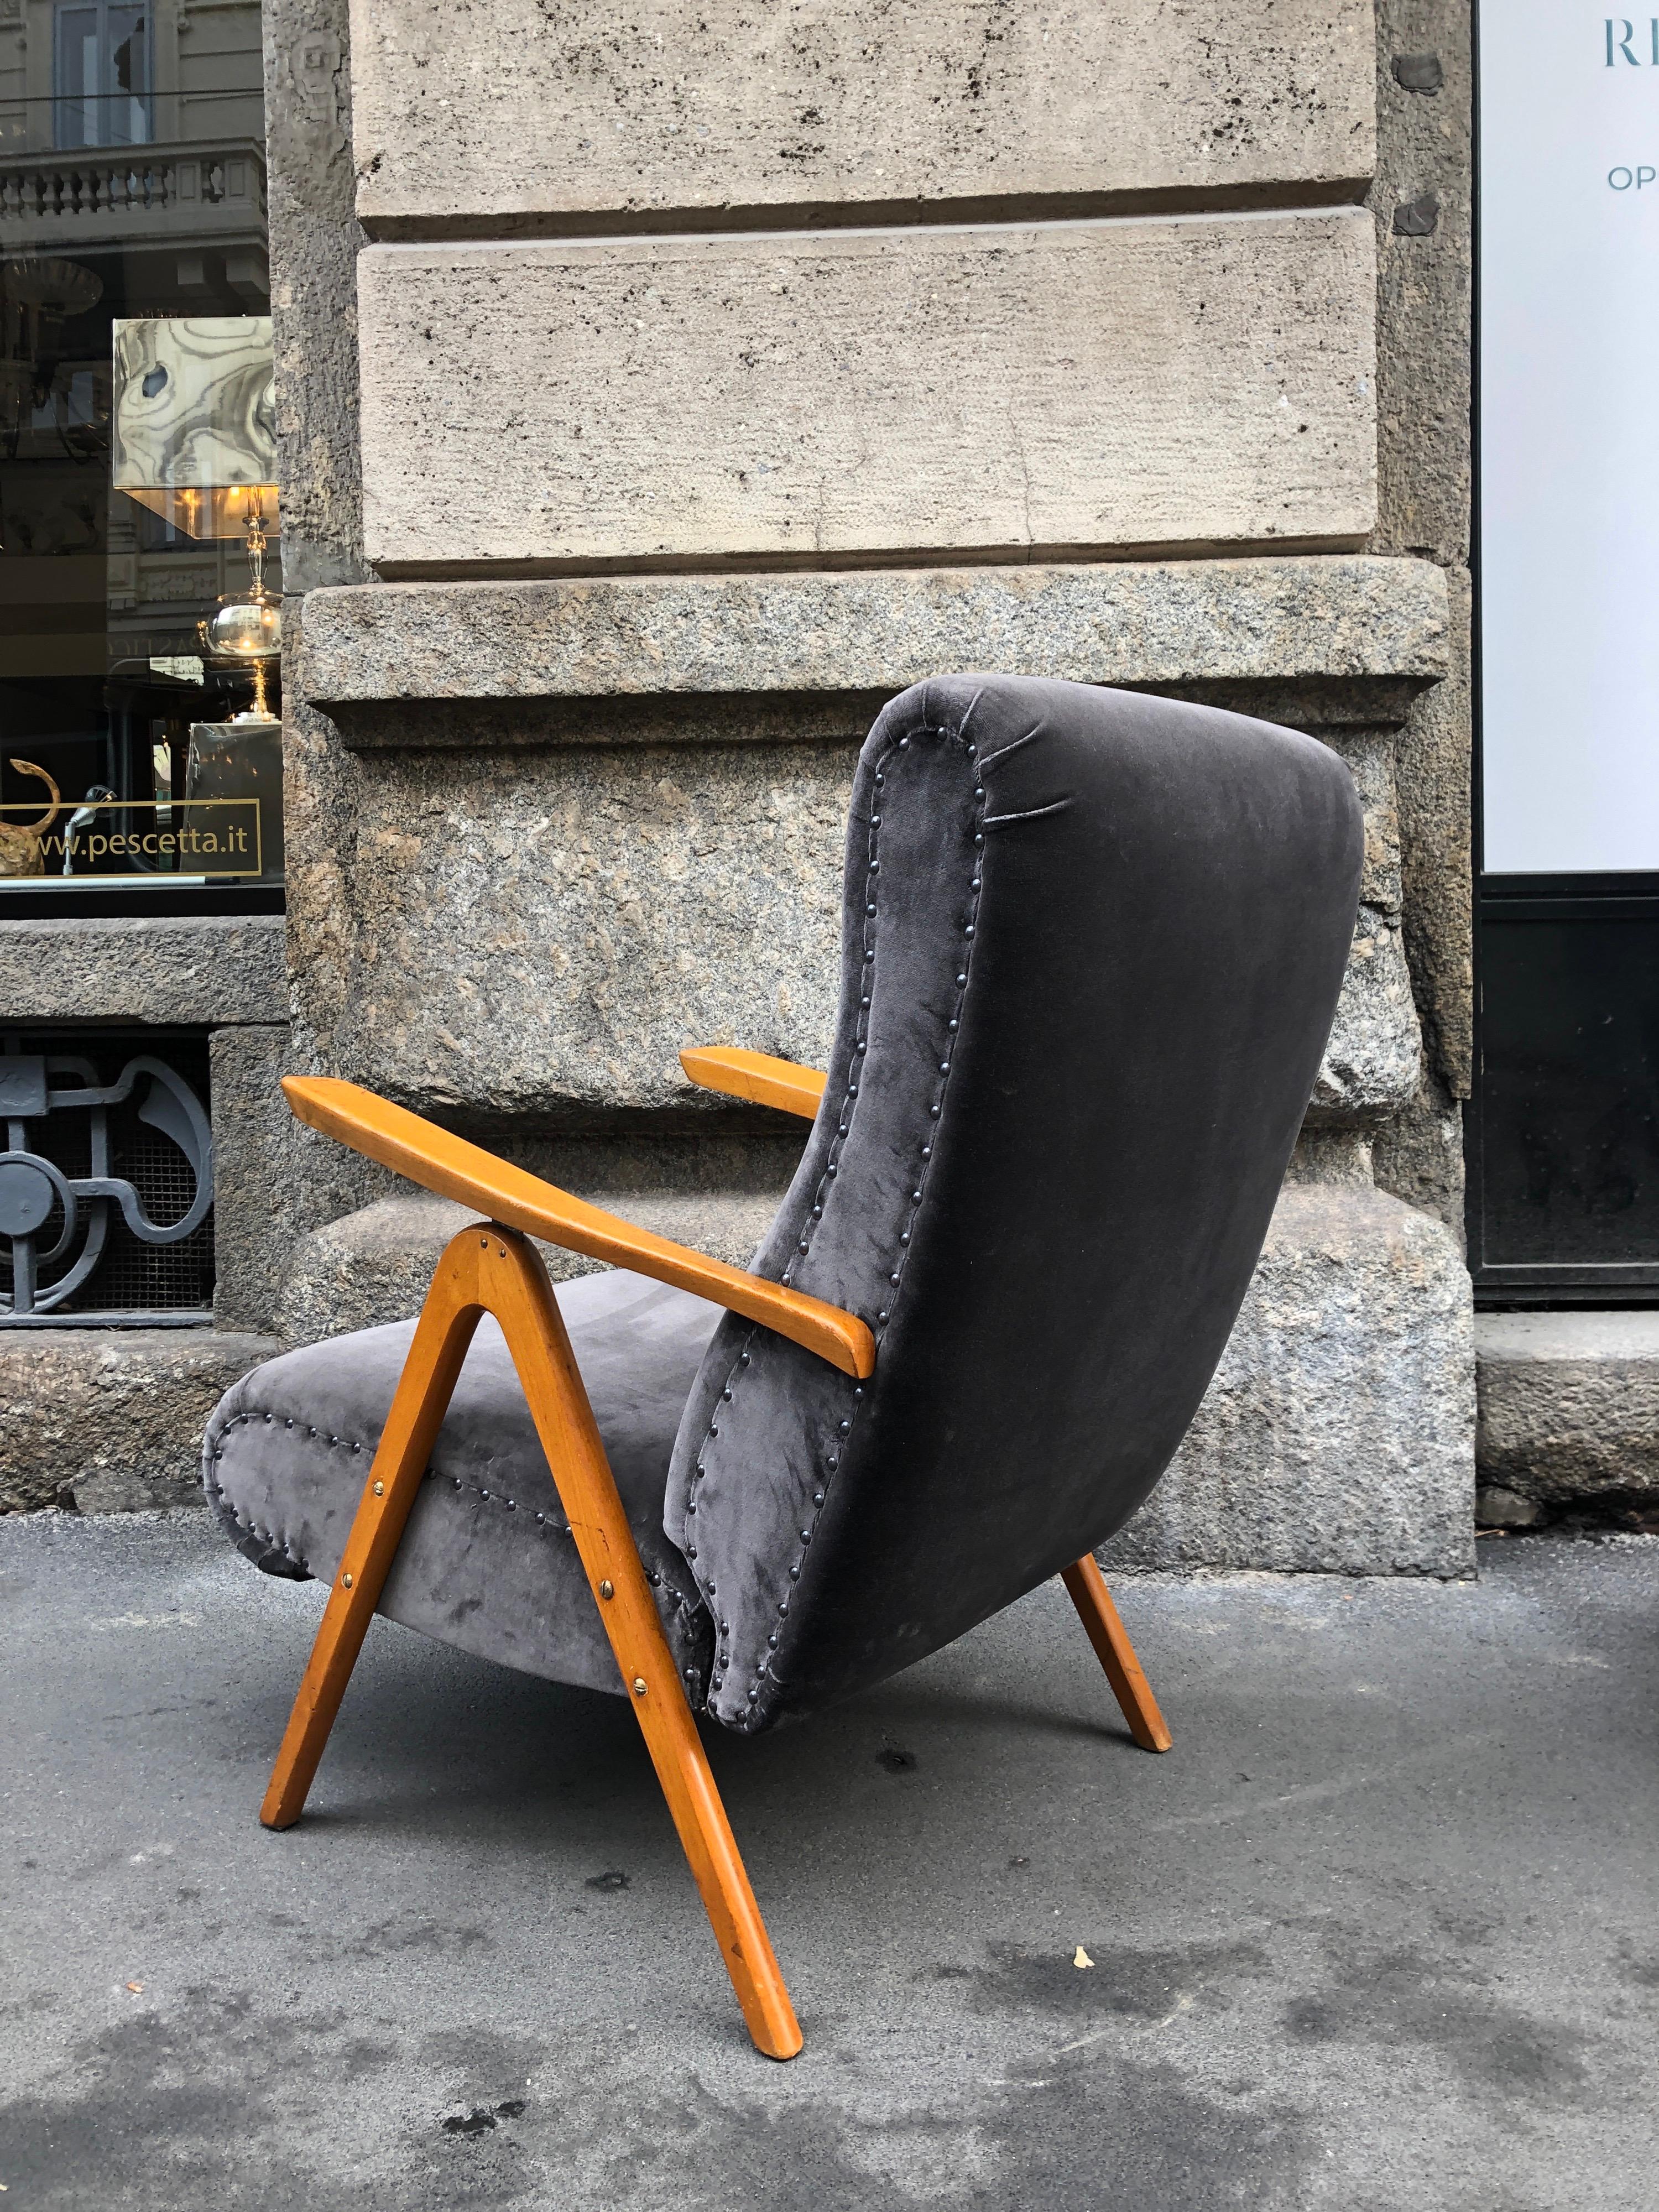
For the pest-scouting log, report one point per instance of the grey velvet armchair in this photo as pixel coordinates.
(1092, 950)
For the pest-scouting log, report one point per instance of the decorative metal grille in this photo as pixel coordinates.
(106, 1180)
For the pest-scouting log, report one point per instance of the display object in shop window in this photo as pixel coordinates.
(81, 823)
(195, 442)
(241, 761)
(242, 758)
(195, 426)
(21, 853)
(246, 628)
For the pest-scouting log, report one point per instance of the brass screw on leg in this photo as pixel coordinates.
(639, 1686)
(607, 1589)
(380, 1490)
(346, 1581)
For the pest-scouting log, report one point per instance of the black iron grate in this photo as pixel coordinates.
(132, 1277)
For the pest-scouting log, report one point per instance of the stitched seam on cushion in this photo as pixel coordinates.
(544, 1522)
(549, 1527)
(831, 1460)
(995, 759)
(1031, 814)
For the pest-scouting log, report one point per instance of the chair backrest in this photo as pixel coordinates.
(1092, 945)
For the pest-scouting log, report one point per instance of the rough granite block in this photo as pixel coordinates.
(255, 1157)
(1331, 616)
(203, 969)
(1166, 384)
(374, 1265)
(1569, 1411)
(1374, 1058)
(547, 929)
(111, 1419)
(1375, 1054)
(476, 117)
(1339, 1433)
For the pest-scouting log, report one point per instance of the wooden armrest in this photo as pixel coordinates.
(437, 1161)
(757, 1076)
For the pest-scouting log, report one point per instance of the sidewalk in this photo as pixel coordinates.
(1382, 1932)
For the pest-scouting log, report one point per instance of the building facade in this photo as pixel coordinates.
(652, 401)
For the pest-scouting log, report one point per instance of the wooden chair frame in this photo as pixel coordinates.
(492, 1267)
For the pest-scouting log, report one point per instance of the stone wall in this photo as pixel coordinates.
(1423, 206)
(847, 394)
(656, 397)
(109, 1420)
(722, 373)
(479, 119)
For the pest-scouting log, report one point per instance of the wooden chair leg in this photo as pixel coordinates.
(446, 1328)
(1088, 1594)
(488, 1269)
(521, 1298)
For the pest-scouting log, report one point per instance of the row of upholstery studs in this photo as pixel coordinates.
(252, 1528)
(543, 1521)
(802, 1243)
(236, 1420)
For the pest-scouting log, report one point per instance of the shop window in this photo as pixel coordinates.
(140, 536)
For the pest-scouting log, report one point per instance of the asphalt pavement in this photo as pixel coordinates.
(1380, 1932)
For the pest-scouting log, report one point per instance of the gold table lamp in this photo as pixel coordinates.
(245, 628)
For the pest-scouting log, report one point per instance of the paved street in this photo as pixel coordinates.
(1380, 1932)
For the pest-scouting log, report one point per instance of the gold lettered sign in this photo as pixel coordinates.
(126, 837)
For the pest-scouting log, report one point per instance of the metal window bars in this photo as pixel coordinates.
(53, 1219)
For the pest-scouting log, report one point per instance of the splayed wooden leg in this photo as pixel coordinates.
(1093, 1601)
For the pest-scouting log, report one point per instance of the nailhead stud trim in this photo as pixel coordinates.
(843, 1124)
(551, 1526)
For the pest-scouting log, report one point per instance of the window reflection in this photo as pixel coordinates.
(134, 298)
(102, 66)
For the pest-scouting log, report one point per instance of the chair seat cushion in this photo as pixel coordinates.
(487, 1561)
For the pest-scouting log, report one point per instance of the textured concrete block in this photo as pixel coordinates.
(1120, 622)
(549, 928)
(374, 1265)
(254, 1151)
(110, 1419)
(1375, 1055)
(1569, 1411)
(1157, 384)
(207, 970)
(1373, 1061)
(1339, 1432)
(474, 113)
(544, 927)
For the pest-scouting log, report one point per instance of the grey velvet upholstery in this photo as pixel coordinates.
(487, 1560)
(1092, 945)
(1092, 948)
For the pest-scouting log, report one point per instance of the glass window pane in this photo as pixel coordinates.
(128, 85)
(137, 506)
(74, 76)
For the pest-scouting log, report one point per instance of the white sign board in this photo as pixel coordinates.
(1569, 436)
